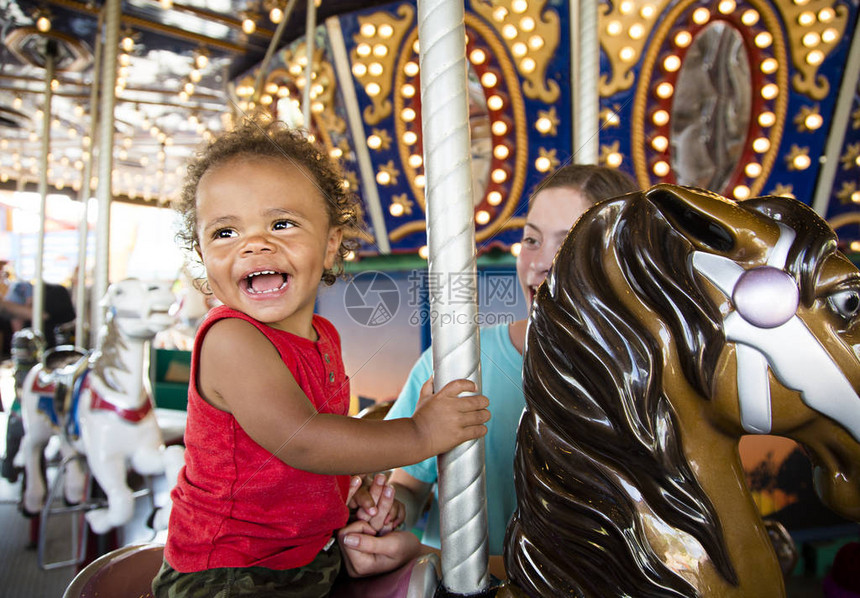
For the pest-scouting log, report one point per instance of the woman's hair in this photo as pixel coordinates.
(275, 141)
(596, 183)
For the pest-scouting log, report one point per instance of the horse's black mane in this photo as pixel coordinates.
(599, 438)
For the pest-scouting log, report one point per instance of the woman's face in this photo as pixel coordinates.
(551, 215)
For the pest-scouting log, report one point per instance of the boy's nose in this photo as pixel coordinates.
(257, 243)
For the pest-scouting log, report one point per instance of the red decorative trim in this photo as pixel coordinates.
(132, 415)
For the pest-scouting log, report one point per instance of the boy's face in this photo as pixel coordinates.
(551, 215)
(265, 240)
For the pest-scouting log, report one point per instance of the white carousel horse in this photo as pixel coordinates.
(108, 414)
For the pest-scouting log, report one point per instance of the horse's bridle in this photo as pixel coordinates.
(768, 333)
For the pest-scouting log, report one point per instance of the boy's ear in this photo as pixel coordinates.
(335, 236)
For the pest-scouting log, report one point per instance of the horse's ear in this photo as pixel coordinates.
(708, 220)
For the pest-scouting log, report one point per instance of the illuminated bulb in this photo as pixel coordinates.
(519, 50)
(17, 103)
(664, 90)
(127, 44)
(661, 168)
(626, 7)
(359, 69)
(801, 162)
(815, 57)
(499, 128)
(124, 59)
(419, 181)
(825, 15)
(416, 46)
(660, 143)
(527, 65)
(672, 63)
(374, 142)
(805, 19)
(752, 170)
(188, 88)
(726, 7)
(701, 16)
(350, 256)
(527, 24)
(266, 99)
(482, 217)
(627, 54)
(501, 152)
(763, 39)
(683, 39)
(407, 114)
(769, 66)
(363, 50)
(499, 176)
(536, 42)
(516, 248)
(494, 198)
(519, 6)
(396, 209)
(750, 17)
(201, 59)
(380, 50)
(477, 56)
(741, 192)
(408, 90)
(543, 125)
(543, 164)
(614, 28)
(495, 102)
(383, 178)
(386, 31)
(373, 89)
(509, 31)
(410, 137)
(415, 160)
(248, 26)
(660, 118)
(55, 83)
(43, 24)
(368, 29)
(375, 69)
(829, 35)
(813, 121)
(411, 68)
(761, 145)
(855, 197)
(276, 15)
(636, 31)
(811, 39)
(489, 79)
(770, 91)
(424, 252)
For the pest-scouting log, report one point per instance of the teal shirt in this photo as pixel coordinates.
(501, 381)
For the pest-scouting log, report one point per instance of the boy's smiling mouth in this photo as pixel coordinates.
(265, 281)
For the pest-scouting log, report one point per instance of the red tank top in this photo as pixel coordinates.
(235, 504)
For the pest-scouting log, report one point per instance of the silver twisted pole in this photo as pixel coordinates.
(453, 282)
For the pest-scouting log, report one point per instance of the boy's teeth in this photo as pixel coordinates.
(267, 281)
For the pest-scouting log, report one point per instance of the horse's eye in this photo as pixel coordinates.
(846, 303)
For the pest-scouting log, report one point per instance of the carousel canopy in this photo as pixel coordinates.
(740, 97)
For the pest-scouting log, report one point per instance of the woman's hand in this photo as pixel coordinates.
(367, 554)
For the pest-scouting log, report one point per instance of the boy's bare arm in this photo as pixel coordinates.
(242, 373)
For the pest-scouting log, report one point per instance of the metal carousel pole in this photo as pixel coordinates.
(585, 80)
(105, 188)
(452, 265)
(310, 40)
(84, 197)
(39, 283)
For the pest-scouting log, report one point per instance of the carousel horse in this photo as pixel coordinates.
(100, 406)
(675, 321)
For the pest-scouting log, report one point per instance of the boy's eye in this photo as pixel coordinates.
(224, 233)
(282, 224)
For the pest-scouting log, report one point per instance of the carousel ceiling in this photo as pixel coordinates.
(742, 97)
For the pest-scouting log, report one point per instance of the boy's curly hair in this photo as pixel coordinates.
(275, 140)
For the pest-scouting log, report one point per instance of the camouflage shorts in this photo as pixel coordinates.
(314, 580)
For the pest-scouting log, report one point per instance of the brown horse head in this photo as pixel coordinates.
(673, 322)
